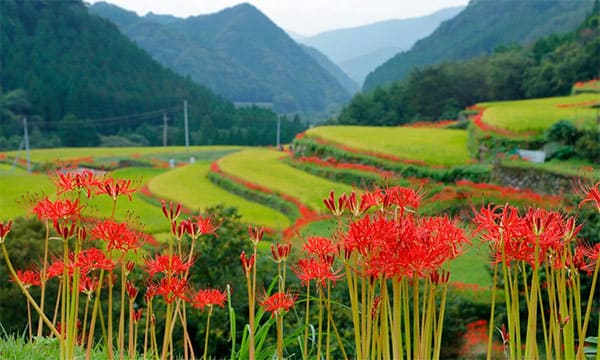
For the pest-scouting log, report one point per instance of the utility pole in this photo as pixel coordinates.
(185, 123)
(278, 133)
(165, 119)
(26, 139)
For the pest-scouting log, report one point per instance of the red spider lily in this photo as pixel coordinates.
(336, 209)
(57, 268)
(166, 264)
(93, 259)
(171, 288)
(45, 209)
(402, 197)
(208, 297)
(279, 302)
(88, 285)
(71, 181)
(4, 230)
(281, 252)
(179, 230)
(365, 234)
(67, 230)
(440, 277)
(114, 188)
(170, 213)
(131, 290)
(367, 201)
(136, 316)
(589, 193)
(255, 234)
(28, 278)
(586, 257)
(319, 246)
(247, 263)
(317, 270)
(118, 235)
(202, 226)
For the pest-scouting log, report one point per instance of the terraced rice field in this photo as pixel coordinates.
(16, 182)
(262, 167)
(138, 209)
(432, 146)
(63, 154)
(190, 186)
(535, 116)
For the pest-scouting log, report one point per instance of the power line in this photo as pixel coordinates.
(109, 120)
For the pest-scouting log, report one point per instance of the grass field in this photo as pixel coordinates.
(261, 166)
(148, 214)
(433, 146)
(47, 155)
(15, 183)
(539, 114)
(571, 167)
(190, 186)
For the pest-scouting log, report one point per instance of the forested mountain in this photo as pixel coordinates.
(482, 26)
(348, 84)
(61, 66)
(238, 53)
(549, 67)
(358, 50)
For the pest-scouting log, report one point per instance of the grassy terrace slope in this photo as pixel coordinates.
(63, 154)
(262, 166)
(16, 182)
(190, 186)
(537, 115)
(422, 144)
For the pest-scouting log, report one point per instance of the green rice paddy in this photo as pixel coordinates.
(190, 185)
(537, 115)
(432, 146)
(262, 167)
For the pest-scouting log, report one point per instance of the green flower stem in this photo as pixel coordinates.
(493, 308)
(43, 279)
(90, 341)
(210, 308)
(13, 273)
(588, 311)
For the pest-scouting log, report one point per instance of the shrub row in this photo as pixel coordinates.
(305, 146)
(271, 200)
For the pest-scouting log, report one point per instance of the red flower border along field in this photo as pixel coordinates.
(391, 261)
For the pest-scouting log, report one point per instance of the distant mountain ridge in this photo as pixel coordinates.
(358, 50)
(482, 26)
(78, 78)
(237, 52)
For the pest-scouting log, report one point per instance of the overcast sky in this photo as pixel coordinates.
(305, 17)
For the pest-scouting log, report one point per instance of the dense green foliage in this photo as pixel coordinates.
(238, 53)
(480, 28)
(549, 67)
(62, 66)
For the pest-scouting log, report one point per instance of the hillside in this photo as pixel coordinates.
(71, 66)
(547, 68)
(350, 85)
(358, 50)
(238, 52)
(481, 27)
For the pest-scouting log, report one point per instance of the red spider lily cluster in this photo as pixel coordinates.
(95, 252)
(333, 163)
(526, 246)
(393, 261)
